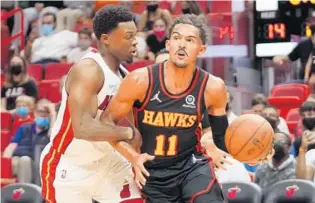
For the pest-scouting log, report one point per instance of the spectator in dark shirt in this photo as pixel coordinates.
(302, 51)
(156, 40)
(17, 83)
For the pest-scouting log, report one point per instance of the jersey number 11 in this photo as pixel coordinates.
(160, 145)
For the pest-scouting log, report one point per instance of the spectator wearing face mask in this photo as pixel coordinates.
(22, 146)
(84, 46)
(17, 83)
(306, 155)
(259, 103)
(24, 112)
(282, 166)
(156, 40)
(52, 46)
(152, 13)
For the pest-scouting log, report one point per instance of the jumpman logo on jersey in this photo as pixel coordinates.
(156, 97)
(194, 159)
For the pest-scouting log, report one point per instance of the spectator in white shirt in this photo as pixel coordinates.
(84, 46)
(52, 46)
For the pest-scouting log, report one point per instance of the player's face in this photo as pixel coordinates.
(122, 41)
(184, 45)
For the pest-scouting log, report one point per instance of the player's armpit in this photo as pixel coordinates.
(82, 85)
(216, 100)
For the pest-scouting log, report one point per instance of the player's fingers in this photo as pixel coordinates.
(220, 165)
(149, 157)
(140, 177)
(229, 162)
(144, 171)
(138, 184)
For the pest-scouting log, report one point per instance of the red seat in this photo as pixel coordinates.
(49, 89)
(288, 96)
(6, 172)
(55, 71)
(138, 64)
(299, 90)
(5, 139)
(35, 71)
(6, 120)
(292, 119)
(285, 104)
(5, 35)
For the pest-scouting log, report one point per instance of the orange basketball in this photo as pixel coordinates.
(249, 138)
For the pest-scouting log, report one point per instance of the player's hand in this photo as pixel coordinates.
(308, 138)
(219, 158)
(139, 170)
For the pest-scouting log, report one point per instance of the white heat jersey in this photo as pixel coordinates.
(78, 151)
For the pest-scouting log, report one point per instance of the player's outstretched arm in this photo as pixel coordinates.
(216, 100)
(82, 85)
(133, 88)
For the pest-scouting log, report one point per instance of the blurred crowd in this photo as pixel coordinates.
(63, 33)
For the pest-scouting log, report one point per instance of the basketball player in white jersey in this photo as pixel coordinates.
(78, 164)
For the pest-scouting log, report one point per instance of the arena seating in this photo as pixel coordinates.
(5, 139)
(288, 96)
(21, 193)
(292, 119)
(35, 71)
(55, 71)
(295, 190)
(49, 89)
(239, 192)
(6, 120)
(6, 173)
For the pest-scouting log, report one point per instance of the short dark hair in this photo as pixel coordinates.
(271, 107)
(85, 31)
(307, 106)
(108, 18)
(193, 20)
(259, 99)
(50, 14)
(231, 96)
(287, 137)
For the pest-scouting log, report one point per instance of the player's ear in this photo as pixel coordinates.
(202, 50)
(105, 39)
(167, 45)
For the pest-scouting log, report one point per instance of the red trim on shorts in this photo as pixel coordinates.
(149, 91)
(210, 185)
(51, 160)
(183, 94)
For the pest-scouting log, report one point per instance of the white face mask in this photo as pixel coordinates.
(84, 44)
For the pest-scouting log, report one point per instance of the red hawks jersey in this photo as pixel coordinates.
(78, 151)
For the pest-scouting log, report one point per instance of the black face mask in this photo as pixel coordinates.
(152, 8)
(273, 122)
(186, 11)
(279, 148)
(16, 69)
(309, 123)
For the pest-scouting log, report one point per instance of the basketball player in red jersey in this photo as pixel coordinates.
(78, 165)
(170, 99)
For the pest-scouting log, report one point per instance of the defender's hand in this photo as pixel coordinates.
(139, 170)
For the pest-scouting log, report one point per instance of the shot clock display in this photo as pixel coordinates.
(274, 26)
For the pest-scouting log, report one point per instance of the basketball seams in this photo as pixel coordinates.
(244, 145)
(229, 145)
(271, 139)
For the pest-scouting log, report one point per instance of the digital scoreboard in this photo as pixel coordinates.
(277, 22)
